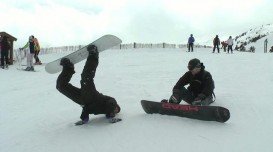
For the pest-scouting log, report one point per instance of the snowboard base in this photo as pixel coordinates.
(103, 43)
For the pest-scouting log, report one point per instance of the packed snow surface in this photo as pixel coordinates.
(35, 117)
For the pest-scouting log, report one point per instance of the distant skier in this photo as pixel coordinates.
(216, 43)
(30, 53)
(87, 96)
(200, 89)
(230, 44)
(190, 43)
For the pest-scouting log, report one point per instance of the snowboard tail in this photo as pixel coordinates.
(207, 113)
(103, 43)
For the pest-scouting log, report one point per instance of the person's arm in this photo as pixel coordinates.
(25, 46)
(209, 86)
(184, 80)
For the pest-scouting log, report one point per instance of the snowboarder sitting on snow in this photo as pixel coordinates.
(87, 96)
(200, 89)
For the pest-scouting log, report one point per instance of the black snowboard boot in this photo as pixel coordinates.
(31, 68)
(67, 64)
(93, 51)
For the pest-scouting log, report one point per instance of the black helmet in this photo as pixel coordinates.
(194, 63)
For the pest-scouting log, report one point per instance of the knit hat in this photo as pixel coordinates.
(194, 63)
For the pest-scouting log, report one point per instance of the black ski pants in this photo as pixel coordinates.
(36, 56)
(216, 46)
(230, 48)
(191, 47)
(4, 57)
(87, 96)
(187, 96)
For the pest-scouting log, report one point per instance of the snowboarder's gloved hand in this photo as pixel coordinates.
(201, 96)
(198, 99)
(164, 100)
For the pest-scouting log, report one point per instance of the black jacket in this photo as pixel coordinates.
(201, 83)
(5, 46)
(216, 41)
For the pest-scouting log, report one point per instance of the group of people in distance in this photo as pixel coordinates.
(33, 52)
(216, 44)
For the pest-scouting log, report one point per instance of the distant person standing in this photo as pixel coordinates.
(216, 43)
(37, 51)
(230, 44)
(190, 43)
(5, 46)
(30, 53)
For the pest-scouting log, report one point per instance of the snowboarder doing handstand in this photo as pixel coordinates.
(200, 89)
(87, 96)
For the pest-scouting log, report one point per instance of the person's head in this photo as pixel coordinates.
(230, 37)
(216, 35)
(117, 109)
(31, 38)
(195, 66)
(191, 35)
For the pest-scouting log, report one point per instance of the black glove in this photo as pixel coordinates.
(200, 96)
(164, 100)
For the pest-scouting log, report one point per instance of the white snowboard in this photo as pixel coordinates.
(103, 43)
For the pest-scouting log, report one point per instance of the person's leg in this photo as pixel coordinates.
(213, 48)
(6, 58)
(207, 101)
(218, 49)
(64, 86)
(28, 61)
(35, 57)
(31, 62)
(182, 94)
(88, 89)
(2, 59)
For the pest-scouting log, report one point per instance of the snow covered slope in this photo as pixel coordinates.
(35, 117)
(256, 37)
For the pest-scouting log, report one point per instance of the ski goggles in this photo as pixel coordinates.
(190, 67)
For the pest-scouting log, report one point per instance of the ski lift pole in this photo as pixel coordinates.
(265, 46)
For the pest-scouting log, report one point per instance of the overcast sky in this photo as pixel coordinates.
(72, 22)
